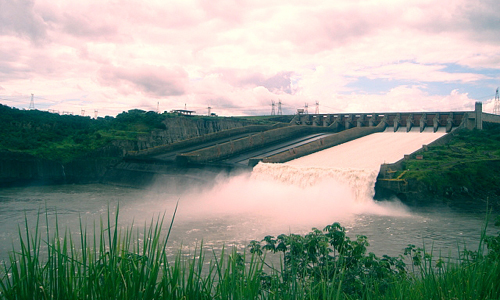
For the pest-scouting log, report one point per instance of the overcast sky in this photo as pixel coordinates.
(239, 56)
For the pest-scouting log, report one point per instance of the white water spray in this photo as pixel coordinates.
(315, 190)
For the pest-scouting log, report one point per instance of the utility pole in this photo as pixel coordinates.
(32, 102)
(280, 112)
(273, 104)
(317, 108)
(496, 107)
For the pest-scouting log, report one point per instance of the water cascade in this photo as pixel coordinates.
(354, 166)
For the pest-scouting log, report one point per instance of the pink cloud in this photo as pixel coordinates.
(81, 25)
(277, 83)
(151, 80)
(19, 17)
(244, 54)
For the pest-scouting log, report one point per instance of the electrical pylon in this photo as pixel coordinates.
(273, 104)
(280, 112)
(32, 102)
(496, 107)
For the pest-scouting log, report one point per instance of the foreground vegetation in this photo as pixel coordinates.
(114, 263)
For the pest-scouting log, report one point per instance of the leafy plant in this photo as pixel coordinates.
(330, 255)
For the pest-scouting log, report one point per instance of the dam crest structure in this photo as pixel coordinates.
(240, 149)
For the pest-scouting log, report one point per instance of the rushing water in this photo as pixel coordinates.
(335, 185)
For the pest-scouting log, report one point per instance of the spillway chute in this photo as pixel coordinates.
(352, 166)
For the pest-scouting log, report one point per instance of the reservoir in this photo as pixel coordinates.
(334, 185)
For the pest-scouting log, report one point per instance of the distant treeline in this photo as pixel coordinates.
(64, 137)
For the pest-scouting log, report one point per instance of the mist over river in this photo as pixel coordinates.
(273, 199)
(250, 210)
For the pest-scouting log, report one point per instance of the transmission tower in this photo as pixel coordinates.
(158, 108)
(496, 107)
(317, 108)
(96, 112)
(209, 108)
(306, 106)
(273, 104)
(83, 113)
(32, 102)
(280, 112)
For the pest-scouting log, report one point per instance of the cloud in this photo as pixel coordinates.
(241, 55)
(80, 25)
(416, 72)
(481, 20)
(153, 81)
(18, 17)
(277, 83)
(405, 99)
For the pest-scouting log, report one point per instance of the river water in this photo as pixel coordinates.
(334, 185)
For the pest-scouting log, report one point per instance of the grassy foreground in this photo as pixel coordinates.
(113, 263)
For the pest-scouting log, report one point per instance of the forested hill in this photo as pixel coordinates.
(65, 137)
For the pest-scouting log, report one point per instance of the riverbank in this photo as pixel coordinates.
(464, 172)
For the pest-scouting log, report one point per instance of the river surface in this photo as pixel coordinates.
(313, 191)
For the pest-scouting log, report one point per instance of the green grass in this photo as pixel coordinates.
(125, 263)
(469, 164)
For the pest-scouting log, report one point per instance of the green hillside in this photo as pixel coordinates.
(65, 137)
(466, 167)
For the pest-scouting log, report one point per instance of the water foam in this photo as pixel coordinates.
(359, 182)
(347, 172)
(328, 186)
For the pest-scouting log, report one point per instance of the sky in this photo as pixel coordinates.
(238, 56)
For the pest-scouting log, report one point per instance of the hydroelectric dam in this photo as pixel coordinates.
(200, 159)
